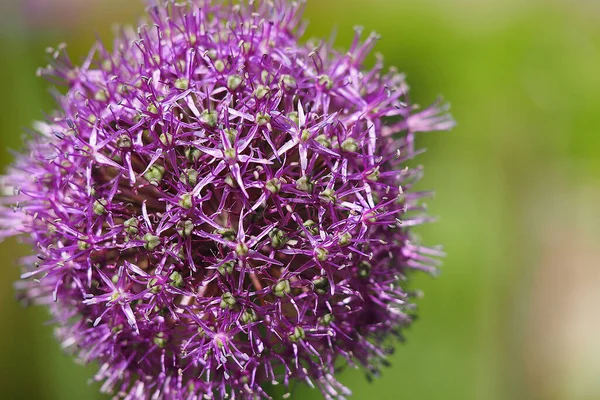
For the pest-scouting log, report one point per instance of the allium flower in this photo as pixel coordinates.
(216, 206)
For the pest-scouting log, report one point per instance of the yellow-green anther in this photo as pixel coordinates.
(304, 184)
(374, 175)
(209, 118)
(151, 241)
(155, 174)
(176, 280)
(262, 118)
(185, 228)
(160, 340)
(364, 269)
(323, 140)
(328, 196)
(305, 135)
(154, 286)
(124, 142)
(321, 285)
(131, 226)
(189, 176)
(233, 82)
(182, 84)
(273, 185)
(186, 201)
(349, 145)
(298, 334)
(321, 254)
(288, 82)
(192, 154)
(248, 316)
(99, 206)
(282, 288)
(166, 138)
(293, 116)
(219, 65)
(227, 301)
(83, 245)
(278, 238)
(261, 91)
(226, 268)
(241, 249)
(345, 239)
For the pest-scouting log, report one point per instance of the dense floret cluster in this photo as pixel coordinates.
(216, 206)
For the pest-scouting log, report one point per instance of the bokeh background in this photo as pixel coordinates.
(515, 313)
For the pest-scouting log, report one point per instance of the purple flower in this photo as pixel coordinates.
(216, 206)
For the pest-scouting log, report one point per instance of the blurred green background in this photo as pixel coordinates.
(515, 313)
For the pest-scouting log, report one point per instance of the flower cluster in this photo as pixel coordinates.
(216, 206)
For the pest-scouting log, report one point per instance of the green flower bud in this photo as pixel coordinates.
(189, 177)
(304, 184)
(227, 301)
(261, 91)
(182, 84)
(160, 340)
(209, 118)
(311, 226)
(325, 81)
(248, 316)
(124, 142)
(288, 81)
(226, 268)
(186, 201)
(192, 154)
(321, 285)
(176, 280)
(262, 118)
(282, 288)
(241, 249)
(227, 234)
(154, 286)
(273, 185)
(278, 238)
(151, 241)
(364, 269)
(298, 334)
(154, 174)
(131, 226)
(99, 206)
(321, 254)
(185, 228)
(345, 239)
(328, 196)
(233, 82)
(349, 145)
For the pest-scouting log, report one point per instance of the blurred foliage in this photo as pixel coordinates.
(523, 81)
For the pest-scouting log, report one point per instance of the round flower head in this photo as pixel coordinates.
(216, 206)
